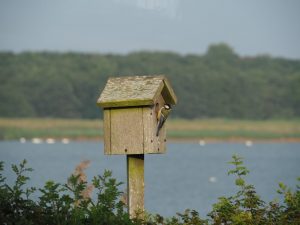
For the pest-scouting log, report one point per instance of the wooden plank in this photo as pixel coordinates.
(168, 93)
(135, 185)
(106, 131)
(135, 91)
(130, 91)
(126, 103)
(161, 139)
(149, 122)
(126, 131)
(153, 144)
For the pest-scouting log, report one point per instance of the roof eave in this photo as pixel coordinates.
(172, 97)
(128, 103)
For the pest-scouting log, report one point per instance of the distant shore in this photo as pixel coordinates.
(205, 130)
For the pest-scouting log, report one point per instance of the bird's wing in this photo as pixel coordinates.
(160, 124)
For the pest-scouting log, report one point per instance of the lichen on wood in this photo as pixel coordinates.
(135, 91)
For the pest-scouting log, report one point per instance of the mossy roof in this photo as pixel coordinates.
(136, 91)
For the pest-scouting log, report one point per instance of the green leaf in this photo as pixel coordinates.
(282, 186)
(239, 182)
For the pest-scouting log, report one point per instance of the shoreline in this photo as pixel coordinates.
(187, 131)
(209, 140)
(234, 140)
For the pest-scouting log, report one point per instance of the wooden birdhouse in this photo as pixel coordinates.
(131, 105)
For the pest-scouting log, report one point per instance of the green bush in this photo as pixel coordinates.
(61, 204)
(71, 203)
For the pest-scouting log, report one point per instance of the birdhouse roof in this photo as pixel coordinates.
(136, 91)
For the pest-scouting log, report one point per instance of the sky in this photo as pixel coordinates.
(251, 28)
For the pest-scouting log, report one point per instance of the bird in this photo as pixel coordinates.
(162, 115)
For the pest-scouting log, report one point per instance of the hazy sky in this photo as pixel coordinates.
(120, 26)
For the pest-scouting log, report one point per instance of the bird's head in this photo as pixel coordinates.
(167, 107)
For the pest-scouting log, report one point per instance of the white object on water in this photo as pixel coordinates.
(50, 141)
(202, 143)
(212, 179)
(248, 143)
(23, 140)
(36, 140)
(65, 141)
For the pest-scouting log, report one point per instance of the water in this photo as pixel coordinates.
(187, 176)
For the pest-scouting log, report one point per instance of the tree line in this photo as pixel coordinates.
(219, 83)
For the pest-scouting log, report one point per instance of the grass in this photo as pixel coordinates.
(216, 129)
(50, 128)
(226, 129)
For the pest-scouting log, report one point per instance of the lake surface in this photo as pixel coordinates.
(187, 176)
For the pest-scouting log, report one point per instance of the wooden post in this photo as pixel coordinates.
(135, 185)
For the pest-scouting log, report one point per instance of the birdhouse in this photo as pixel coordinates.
(131, 106)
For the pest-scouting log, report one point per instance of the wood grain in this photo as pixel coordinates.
(135, 185)
(106, 132)
(127, 131)
(135, 91)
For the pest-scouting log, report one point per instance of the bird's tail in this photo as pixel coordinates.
(157, 131)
